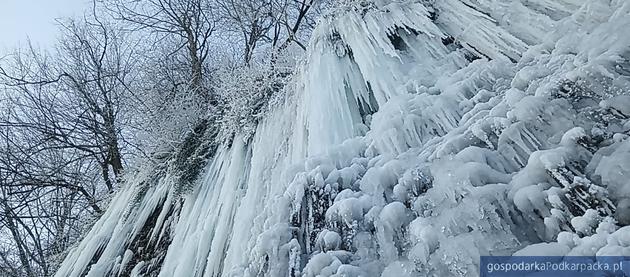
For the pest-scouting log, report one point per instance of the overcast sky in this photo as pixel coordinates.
(34, 19)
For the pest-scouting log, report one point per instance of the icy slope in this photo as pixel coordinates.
(417, 136)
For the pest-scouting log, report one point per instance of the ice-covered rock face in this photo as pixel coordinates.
(417, 136)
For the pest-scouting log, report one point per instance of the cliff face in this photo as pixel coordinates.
(416, 136)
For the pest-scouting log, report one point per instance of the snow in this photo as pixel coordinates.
(135, 272)
(398, 268)
(614, 170)
(321, 263)
(622, 211)
(125, 260)
(543, 249)
(586, 224)
(330, 240)
(415, 137)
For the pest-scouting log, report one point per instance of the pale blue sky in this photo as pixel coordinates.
(34, 19)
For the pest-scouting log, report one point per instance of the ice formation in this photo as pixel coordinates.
(417, 136)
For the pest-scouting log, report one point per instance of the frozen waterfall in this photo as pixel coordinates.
(417, 136)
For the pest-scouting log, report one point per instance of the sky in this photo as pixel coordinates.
(34, 19)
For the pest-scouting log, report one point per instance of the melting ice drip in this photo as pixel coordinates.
(418, 136)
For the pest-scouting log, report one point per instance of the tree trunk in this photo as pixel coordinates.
(196, 68)
(18, 241)
(115, 160)
(105, 173)
(114, 157)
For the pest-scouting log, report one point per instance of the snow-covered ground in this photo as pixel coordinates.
(417, 136)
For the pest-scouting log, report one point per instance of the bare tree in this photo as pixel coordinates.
(298, 17)
(43, 192)
(62, 141)
(78, 99)
(251, 19)
(277, 23)
(191, 22)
